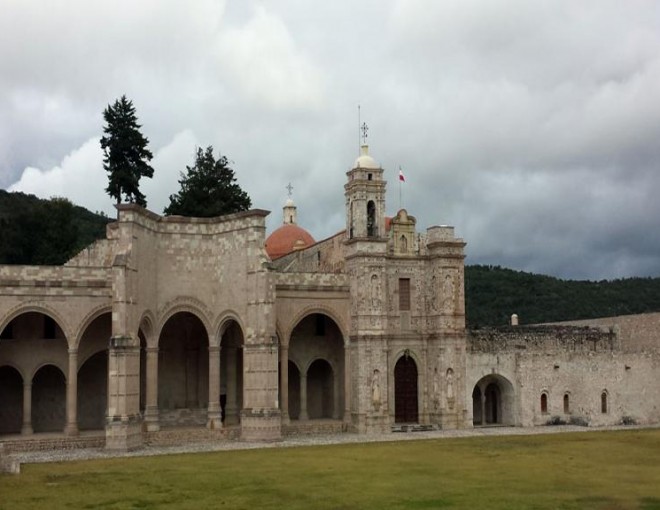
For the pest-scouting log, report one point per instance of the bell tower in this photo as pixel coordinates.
(365, 199)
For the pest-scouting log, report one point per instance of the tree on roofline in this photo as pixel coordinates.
(125, 153)
(208, 189)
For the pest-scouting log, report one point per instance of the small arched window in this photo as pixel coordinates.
(567, 408)
(544, 403)
(371, 219)
(603, 402)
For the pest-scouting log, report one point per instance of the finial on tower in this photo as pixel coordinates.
(364, 128)
(289, 189)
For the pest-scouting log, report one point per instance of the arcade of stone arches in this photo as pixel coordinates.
(49, 385)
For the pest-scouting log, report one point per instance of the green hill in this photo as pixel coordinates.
(493, 293)
(50, 232)
(44, 232)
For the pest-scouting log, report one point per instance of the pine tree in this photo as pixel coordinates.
(208, 189)
(125, 153)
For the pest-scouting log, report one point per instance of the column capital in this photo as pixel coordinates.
(72, 351)
(151, 350)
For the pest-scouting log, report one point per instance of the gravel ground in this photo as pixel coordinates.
(290, 442)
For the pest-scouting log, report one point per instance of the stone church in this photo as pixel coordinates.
(180, 329)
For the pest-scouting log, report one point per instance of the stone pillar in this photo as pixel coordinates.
(231, 416)
(347, 381)
(214, 419)
(71, 428)
(151, 405)
(27, 408)
(284, 382)
(336, 385)
(303, 397)
(261, 419)
(123, 427)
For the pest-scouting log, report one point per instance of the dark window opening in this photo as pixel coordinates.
(320, 325)
(566, 404)
(369, 177)
(544, 403)
(371, 219)
(603, 403)
(404, 294)
(49, 327)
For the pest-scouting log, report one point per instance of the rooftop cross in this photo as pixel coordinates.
(364, 129)
(289, 188)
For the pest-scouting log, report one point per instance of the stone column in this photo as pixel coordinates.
(214, 420)
(284, 382)
(347, 381)
(231, 418)
(151, 404)
(303, 397)
(27, 408)
(336, 385)
(71, 428)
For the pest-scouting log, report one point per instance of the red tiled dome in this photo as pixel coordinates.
(286, 239)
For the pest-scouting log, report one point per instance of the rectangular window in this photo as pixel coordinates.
(404, 294)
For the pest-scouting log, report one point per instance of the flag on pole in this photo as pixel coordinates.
(401, 177)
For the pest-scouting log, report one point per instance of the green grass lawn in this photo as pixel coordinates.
(608, 470)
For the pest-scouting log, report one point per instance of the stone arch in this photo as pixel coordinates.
(232, 343)
(316, 336)
(48, 399)
(184, 304)
(371, 219)
(406, 387)
(497, 405)
(42, 308)
(221, 324)
(93, 391)
(183, 368)
(11, 399)
(312, 309)
(148, 326)
(320, 389)
(87, 321)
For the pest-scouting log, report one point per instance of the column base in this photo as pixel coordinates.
(151, 421)
(71, 429)
(261, 425)
(27, 430)
(123, 435)
(214, 419)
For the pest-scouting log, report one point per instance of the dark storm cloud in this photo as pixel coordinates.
(532, 127)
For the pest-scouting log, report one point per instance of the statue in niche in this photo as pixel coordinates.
(450, 388)
(375, 390)
(375, 292)
(448, 294)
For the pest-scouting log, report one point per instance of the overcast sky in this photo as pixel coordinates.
(532, 127)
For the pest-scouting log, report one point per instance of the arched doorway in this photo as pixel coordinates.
(317, 343)
(92, 385)
(93, 392)
(493, 401)
(183, 370)
(11, 400)
(405, 390)
(48, 400)
(320, 390)
(231, 373)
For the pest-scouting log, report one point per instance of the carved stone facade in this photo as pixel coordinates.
(175, 323)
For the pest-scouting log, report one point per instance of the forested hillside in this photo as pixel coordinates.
(35, 231)
(48, 232)
(493, 293)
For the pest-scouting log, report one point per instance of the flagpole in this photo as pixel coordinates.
(399, 179)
